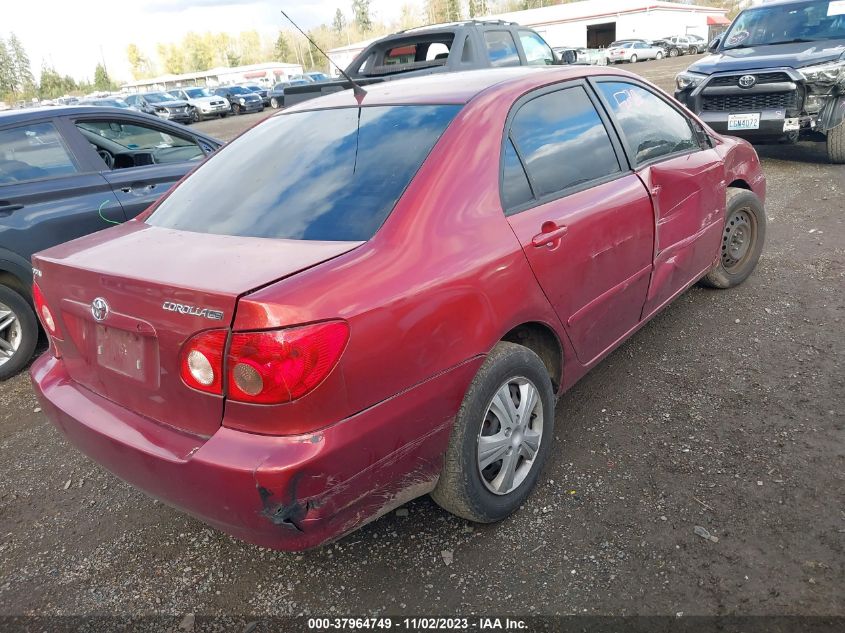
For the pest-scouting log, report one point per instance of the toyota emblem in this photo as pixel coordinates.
(100, 309)
(747, 81)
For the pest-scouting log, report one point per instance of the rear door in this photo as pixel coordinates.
(140, 159)
(684, 176)
(584, 220)
(48, 194)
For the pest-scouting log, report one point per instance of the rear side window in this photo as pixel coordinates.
(321, 175)
(30, 152)
(651, 127)
(516, 190)
(563, 141)
(501, 48)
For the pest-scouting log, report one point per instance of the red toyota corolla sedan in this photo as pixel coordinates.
(356, 304)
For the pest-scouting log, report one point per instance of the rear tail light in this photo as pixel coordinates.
(44, 313)
(269, 367)
(283, 365)
(201, 362)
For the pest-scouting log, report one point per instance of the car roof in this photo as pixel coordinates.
(455, 88)
(27, 114)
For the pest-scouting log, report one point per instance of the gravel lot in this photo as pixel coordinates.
(725, 412)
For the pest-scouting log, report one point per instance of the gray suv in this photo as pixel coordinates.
(69, 171)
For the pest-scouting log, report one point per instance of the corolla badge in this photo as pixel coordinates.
(100, 309)
(214, 315)
(747, 81)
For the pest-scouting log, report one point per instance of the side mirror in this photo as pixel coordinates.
(714, 44)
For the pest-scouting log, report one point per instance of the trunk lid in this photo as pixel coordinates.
(161, 287)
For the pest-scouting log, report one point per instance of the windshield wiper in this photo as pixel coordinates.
(797, 40)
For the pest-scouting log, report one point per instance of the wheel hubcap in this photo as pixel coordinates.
(10, 333)
(510, 436)
(738, 239)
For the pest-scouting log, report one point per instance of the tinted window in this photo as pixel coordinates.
(537, 52)
(320, 175)
(563, 141)
(501, 49)
(112, 137)
(33, 151)
(651, 126)
(515, 187)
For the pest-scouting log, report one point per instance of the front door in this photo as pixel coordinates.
(585, 222)
(686, 181)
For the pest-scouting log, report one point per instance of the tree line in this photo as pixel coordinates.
(17, 82)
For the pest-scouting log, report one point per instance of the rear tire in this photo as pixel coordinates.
(18, 332)
(659, 55)
(274, 103)
(742, 240)
(836, 144)
(633, 59)
(502, 437)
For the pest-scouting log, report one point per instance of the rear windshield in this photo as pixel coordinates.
(320, 175)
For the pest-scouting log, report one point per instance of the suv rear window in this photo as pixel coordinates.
(319, 175)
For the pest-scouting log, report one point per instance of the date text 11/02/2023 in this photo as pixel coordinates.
(418, 624)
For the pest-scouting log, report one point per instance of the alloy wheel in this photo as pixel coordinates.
(738, 239)
(510, 436)
(11, 333)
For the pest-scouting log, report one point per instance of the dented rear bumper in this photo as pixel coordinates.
(291, 492)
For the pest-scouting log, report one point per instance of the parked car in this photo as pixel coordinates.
(670, 49)
(688, 44)
(203, 104)
(311, 77)
(329, 371)
(444, 48)
(67, 172)
(108, 102)
(633, 52)
(776, 75)
(277, 92)
(616, 43)
(243, 101)
(161, 104)
(260, 91)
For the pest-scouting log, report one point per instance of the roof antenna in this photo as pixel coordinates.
(357, 90)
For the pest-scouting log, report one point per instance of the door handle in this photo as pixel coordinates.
(551, 233)
(130, 189)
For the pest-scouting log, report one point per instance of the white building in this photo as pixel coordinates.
(265, 74)
(596, 23)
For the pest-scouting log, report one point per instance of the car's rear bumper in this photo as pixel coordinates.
(290, 492)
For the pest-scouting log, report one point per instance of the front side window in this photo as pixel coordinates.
(31, 152)
(501, 48)
(332, 175)
(563, 141)
(197, 93)
(651, 127)
(537, 52)
(112, 137)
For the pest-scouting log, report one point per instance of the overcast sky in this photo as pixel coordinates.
(68, 34)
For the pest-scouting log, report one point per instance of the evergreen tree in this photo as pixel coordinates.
(7, 71)
(339, 24)
(361, 11)
(102, 81)
(24, 81)
(281, 50)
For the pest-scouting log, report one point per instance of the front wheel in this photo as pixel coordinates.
(659, 55)
(195, 115)
(742, 240)
(236, 109)
(836, 144)
(501, 439)
(673, 52)
(633, 59)
(18, 332)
